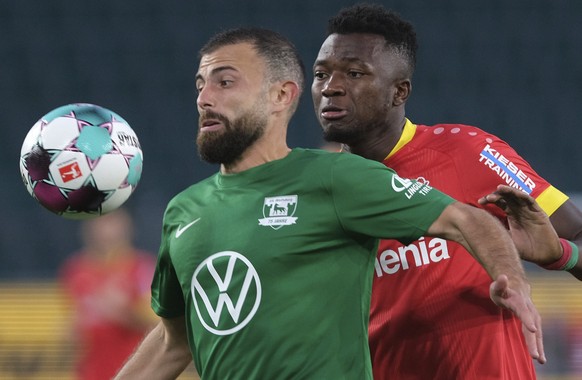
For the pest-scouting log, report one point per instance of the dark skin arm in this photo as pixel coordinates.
(528, 222)
(567, 221)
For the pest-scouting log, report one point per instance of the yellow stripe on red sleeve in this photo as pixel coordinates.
(551, 199)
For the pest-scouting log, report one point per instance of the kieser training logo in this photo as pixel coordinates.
(506, 169)
(226, 279)
(400, 184)
(278, 211)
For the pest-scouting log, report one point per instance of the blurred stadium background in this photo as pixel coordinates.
(512, 68)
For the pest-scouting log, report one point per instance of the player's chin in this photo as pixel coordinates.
(336, 136)
(331, 125)
(336, 133)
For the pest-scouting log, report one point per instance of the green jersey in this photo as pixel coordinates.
(272, 267)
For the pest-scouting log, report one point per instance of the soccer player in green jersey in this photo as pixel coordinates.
(265, 269)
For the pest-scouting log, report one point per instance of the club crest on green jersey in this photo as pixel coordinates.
(278, 211)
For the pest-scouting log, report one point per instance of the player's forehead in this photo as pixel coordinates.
(239, 58)
(362, 47)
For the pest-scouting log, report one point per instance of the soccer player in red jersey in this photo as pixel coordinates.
(108, 283)
(431, 316)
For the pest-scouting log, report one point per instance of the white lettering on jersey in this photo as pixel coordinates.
(400, 184)
(210, 288)
(507, 170)
(417, 254)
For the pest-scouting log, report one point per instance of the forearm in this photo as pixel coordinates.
(489, 242)
(163, 354)
(485, 238)
(535, 238)
(577, 270)
(576, 238)
(567, 258)
(567, 221)
(495, 251)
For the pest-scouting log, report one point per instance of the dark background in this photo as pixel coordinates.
(513, 68)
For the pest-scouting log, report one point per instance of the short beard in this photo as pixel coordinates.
(227, 146)
(348, 135)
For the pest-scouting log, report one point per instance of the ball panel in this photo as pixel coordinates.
(50, 197)
(94, 141)
(116, 199)
(110, 172)
(37, 163)
(86, 199)
(59, 134)
(135, 169)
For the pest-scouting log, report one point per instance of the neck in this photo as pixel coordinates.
(379, 143)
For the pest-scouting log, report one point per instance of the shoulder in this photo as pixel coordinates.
(451, 131)
(337, 165)
(194, 189)
(188, 197)
(454, 137)
(310, 154)
(327, 158)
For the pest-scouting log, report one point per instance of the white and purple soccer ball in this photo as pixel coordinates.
(81, 160)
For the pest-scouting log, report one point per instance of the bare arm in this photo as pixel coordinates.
(489, 242)
(163, 354)
(531, 230)
(484, 237)
(567, 220)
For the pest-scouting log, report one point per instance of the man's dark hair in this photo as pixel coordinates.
(375, 19)
(281, 56)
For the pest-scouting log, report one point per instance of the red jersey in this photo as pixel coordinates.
(431, 315)
(105, 344)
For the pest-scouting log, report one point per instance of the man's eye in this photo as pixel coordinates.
(355, 74)
(225, 83)
(319, 75)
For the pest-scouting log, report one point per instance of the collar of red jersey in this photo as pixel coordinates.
(407, 134)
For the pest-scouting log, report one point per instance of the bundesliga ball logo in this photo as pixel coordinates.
(81, 160)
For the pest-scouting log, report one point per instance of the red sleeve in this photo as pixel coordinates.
(487, 161)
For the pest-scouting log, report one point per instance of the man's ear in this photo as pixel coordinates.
(403, 90)
(284, 95)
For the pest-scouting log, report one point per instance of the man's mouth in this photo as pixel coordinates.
(210, 125)
(333, 112)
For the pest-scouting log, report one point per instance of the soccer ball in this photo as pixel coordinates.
(81, 160)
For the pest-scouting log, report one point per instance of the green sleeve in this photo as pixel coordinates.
(167, 296)
(373, 200)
